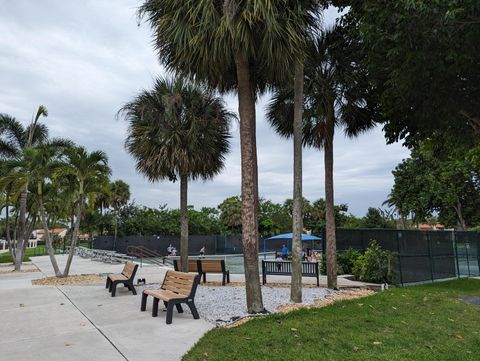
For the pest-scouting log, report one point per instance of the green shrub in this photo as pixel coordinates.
(375, 265)
(345, 261)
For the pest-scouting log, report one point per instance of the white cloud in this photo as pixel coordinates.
(84, 59)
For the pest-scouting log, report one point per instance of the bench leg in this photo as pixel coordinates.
(169, 313)
(107, 285)
(155, 307)
(223, 279)
(228, 276)
(179, 308)
(318, 281)
(204, 277)
(131, 287)
(143, 306)
(192, 307)
(114, 288)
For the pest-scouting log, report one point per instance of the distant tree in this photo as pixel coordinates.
(378, 218)
(439, 177)
(231, 215)
(178, 130)
(119, 196)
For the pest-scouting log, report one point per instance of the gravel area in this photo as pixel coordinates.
(225, 304)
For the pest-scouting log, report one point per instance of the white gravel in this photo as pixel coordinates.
(221, 305)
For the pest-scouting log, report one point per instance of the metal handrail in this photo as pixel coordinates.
(144, 252)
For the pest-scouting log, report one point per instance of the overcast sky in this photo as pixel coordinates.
(84, 59)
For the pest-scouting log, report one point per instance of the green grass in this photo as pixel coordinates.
(31, 252)
(416, 323)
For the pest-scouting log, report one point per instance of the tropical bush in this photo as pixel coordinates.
(375, 265)
(345, 261)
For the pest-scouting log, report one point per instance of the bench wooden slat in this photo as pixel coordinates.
(170, 284)
(181, 275)
(192, 265)
(212, 266)
(164, 295)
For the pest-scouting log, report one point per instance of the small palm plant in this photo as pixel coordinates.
(14, 138)
(88, 172)
(178, 131)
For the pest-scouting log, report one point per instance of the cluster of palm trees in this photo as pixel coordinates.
(48, 181)
(251, 47)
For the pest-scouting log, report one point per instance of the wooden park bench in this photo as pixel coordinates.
(193, 265)
(284, 268)
(177, 288)
(126, 277)
(214, 266)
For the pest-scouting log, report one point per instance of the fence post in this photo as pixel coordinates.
(430, 254)
(467, 247)
(456, 253)
(478, 254)
(399, 259)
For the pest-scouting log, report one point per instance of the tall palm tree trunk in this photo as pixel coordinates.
(48, 240)
(329, 208)
(183, 223)
(22, 223)
(76, 231)
(296, 286)
(250, 235)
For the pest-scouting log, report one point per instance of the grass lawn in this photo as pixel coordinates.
(31, 252)
(414, 323)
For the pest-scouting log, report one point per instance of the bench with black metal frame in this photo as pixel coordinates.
(177, 288)
(214, 266)
(284, 268)
(194, 265)
(126, 277)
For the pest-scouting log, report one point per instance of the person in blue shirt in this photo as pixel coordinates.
(284, 251)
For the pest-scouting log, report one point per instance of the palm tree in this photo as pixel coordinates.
(120, 194)
(239, 46)
(35, 165)
(88, 171)
(14, 137)
(178, 130)
(337, 93)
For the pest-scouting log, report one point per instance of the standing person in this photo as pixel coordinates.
(202, 251)
(169, 250)
(284, 251)
(278, 259)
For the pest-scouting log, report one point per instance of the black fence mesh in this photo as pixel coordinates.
(421, 255)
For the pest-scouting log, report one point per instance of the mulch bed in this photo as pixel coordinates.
(344, 294)
(70, 280)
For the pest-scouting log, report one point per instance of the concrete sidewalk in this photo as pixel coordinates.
(83, 323)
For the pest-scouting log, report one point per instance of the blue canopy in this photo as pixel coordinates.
(288, 237)
(305, 237)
